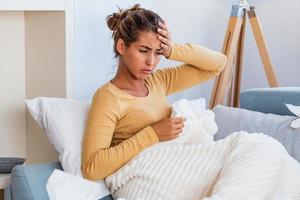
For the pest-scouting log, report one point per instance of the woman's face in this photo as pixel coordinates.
(142, 56)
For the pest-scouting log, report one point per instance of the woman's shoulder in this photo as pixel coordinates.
(105, 102)
(104, 92)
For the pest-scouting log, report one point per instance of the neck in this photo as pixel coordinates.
(125, 80)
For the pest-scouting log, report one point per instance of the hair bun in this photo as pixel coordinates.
(114, 19)
(135, 7)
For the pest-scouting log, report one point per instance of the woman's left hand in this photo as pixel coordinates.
(165, 38)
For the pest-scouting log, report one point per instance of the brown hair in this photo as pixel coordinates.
(126, 24)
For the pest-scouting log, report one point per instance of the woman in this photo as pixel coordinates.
(131, 112)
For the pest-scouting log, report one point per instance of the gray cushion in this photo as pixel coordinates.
(231, 119)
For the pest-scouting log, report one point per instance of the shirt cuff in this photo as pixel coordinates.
(149, 136)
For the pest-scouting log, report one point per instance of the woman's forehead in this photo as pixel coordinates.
(149, 39)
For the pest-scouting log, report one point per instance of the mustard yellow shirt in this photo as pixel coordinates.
(118, 126)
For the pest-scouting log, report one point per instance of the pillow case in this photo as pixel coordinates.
(63, 121)
(230, 120)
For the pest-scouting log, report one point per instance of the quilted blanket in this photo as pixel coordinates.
(194, 166)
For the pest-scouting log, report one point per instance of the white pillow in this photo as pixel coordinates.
(63, 121)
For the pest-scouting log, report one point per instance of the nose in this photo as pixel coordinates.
(150, 60)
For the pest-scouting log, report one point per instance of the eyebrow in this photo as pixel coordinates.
(150, 48)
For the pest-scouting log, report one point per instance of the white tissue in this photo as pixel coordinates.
(199, 126)
(296, 110)
(295, 123)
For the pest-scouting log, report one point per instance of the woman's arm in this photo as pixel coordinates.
(201, 64)
(99, 160)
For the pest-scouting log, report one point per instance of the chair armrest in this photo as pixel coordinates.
(7, 193)
(29, 181)
(270, 100)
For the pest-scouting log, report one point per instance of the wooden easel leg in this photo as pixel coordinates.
(230, 86)
(239, 66)
(228, 36)
(229, 49)
(260, 41)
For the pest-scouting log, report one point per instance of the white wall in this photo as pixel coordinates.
(93, 53)
(197, 21)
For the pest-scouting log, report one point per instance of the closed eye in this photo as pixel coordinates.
(146, 51)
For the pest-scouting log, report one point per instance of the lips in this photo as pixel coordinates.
(147, 71)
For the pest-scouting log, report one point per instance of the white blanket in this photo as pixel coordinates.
(241, 166)
(65, 186)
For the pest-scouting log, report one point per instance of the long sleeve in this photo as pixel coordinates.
(200, 64)
(99, 160)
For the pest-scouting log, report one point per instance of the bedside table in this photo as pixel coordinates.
(4, 182)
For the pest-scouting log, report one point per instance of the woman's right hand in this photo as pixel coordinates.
(169, 128)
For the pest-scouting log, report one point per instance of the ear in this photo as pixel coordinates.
(120, 46)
